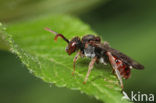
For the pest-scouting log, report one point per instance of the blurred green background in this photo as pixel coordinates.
(129, 26)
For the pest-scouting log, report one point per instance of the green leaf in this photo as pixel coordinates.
(48, 60)
(3, 43)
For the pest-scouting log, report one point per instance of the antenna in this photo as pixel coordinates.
(57, 35)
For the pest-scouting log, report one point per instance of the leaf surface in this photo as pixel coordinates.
(48, 60)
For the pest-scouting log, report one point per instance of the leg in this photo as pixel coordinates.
(114, 66)
(91, 64)
(113, 72)
(81, 54)
(74, 62)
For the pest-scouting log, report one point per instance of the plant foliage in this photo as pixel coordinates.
(48, 60)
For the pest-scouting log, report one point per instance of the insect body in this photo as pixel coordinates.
(91, 46)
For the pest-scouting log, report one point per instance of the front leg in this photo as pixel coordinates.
(74, 61)
(115, 67)
(91, 64)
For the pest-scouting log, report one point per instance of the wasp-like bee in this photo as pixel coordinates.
(91, 46)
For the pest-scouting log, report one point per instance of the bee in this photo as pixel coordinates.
(91, 46)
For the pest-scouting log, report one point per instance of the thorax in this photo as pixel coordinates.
(89, 51)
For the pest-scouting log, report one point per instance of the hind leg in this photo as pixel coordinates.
(114, 66)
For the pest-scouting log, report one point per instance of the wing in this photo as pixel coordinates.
(124, 58)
